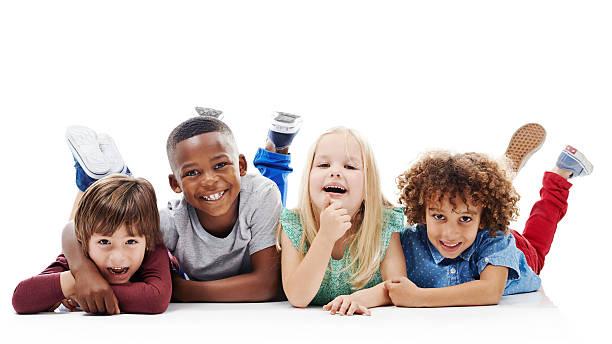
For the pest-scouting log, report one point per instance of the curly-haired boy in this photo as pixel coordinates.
(460, 251)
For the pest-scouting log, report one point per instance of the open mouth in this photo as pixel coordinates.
(449, 246)
(118, 270)
(334, 189)
(213, 197)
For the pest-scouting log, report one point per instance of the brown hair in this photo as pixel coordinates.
(472, 177)
(114, 201)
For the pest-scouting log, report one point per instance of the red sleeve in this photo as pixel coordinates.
(153, 287)
(41, 292)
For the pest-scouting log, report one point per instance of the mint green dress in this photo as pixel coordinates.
(337, 282)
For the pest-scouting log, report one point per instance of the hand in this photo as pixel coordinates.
(94, 294)
(335, 220)
(403, 292)
(344, 305)
(71, 305)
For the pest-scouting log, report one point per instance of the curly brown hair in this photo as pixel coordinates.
(473, 177)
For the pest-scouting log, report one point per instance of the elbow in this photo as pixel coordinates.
(20, 300)
(494, 295)
(297, 300)
(269, 289)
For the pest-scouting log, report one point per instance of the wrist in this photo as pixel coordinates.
(324, 238)
(67, 283)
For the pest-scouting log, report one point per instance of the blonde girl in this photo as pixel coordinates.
(341, 242)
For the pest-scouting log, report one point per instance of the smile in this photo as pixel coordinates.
(213, 197)
(118, 270)
(449, 246)
(334, 189)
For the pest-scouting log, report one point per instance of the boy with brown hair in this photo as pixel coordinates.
(117, 224)
(222, 231)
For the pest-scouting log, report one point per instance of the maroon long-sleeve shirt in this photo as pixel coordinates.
(148, 291)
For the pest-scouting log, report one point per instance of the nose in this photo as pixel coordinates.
(335, 171)
(450, 231)
(116, 257)
(208, 178)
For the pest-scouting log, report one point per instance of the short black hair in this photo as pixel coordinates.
(193, 127)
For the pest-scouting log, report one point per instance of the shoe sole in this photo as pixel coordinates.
(286, 123)
(524, 142)
(77, 137)
(111, 153)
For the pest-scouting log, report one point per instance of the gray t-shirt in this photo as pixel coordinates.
(204, 257)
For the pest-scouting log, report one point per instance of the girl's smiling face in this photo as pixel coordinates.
(452, 229)
(337, 173)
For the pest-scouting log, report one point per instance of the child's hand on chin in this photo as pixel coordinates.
(343, 305)
(335, 220)
(403, 292)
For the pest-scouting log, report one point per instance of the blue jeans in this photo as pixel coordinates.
(274, 166)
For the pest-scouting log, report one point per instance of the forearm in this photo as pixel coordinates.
(74, 253)
(37, 294)
(304, 283)
(372, 297)
(474, 293)
(249, 287)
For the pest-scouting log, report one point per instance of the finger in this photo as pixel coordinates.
(91, 305)
(327, 202)
(345, 305)
(83, 303)
(335, 306)
(345, 219)
(110, 303)
(353, 308)
(100, 306)
(364, 310)
(327, 307)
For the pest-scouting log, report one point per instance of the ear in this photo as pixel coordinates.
(174, 184)
(242, 163)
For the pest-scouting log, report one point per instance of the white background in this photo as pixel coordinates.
(411, 76)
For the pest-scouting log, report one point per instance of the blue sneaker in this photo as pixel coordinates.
(573, 160)
(283, 129)
(83, 143)
(202, 111)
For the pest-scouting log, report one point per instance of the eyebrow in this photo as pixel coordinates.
(349, 157)
(471, 212)
(222, 155)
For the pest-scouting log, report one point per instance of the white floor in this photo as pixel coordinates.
(522, 318)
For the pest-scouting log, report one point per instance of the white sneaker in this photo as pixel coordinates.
(83, 143)
(202, 111)
(111, 153)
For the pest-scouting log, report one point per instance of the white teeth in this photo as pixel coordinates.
(213, 197)
(449, 245)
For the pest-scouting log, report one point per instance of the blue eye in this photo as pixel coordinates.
(103, 242)
(438, 217)
(131, 242)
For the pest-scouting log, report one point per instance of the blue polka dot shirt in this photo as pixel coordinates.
(427, 268)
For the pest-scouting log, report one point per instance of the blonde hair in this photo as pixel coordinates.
(365, 245)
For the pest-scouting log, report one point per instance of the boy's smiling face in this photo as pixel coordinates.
(452, 229)
(117, 256)
(207, 169)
